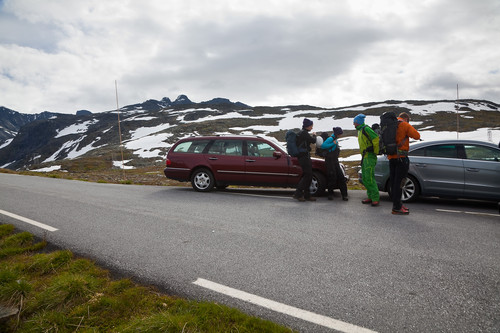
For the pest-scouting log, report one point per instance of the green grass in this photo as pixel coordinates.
(56, 292)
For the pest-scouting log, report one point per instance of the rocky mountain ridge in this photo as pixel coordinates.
(148, 129)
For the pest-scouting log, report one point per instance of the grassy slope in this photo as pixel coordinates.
(56, 292)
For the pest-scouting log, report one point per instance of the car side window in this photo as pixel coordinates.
(417, 152)
(481, 153)
(193, 147)
(444, 151)
(227, 147)
(260, 149)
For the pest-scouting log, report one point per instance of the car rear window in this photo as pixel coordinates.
(227, 147)
(482, 153)
(194, 146)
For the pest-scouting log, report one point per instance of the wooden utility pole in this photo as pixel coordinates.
(119, 128)
(456, 108)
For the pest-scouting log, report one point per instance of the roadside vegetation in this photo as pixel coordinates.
(98, 170)
(43, 291)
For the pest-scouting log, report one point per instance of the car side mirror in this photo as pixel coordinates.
(276, 154)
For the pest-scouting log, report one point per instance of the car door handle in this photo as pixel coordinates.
(421, 165)
(250, 160)
(213, 158)
(472, 169)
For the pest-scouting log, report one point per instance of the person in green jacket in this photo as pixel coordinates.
(369, 147)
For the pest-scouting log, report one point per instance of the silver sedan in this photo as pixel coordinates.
(448, 168)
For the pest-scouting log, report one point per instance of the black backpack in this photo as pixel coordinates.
(291, 144)
(388, 127)
(319, 151)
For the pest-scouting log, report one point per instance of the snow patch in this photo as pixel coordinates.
(48, 169)
(76, 128)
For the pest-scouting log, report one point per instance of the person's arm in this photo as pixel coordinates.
(328, 143)
(413, 133)
(311, 138)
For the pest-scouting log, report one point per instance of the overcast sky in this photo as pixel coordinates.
(65, 55)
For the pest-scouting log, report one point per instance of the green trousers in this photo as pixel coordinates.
(368, 171)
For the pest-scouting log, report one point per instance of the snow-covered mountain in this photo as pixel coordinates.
(149, 129)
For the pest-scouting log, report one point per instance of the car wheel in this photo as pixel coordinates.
(411, 189)
(318, 184)
(202, 180)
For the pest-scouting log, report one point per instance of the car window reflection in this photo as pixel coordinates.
(260, 149)
(443, 151)
(481, 153)
(194, 147)
(227, 147)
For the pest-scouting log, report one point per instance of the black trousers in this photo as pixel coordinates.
(398, 173)
(306, 179)
(334, 173)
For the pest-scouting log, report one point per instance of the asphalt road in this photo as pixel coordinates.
(314, 266)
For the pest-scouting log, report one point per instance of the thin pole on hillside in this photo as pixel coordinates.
(119, 128)
(456, 107)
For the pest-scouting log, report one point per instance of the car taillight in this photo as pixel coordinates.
(169, 162)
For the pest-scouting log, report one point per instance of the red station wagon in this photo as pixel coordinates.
(219, 161)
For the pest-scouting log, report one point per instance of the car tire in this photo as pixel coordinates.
(318, 184)
(411, 189)
(202, 180)
(410, 192)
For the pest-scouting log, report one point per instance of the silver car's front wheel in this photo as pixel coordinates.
(410, 189)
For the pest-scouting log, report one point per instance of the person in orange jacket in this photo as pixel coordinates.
(400, 163)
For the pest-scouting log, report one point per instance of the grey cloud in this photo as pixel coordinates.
(277, 53)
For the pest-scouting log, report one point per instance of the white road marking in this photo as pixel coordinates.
(27, 220)
(448, 211)
(464, 212)
(262, 195)
(283, 308)
(484, 214)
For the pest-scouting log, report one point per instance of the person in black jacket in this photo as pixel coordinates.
(336, 177)
(304, 140)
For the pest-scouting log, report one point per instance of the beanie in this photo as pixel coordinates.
(306, 123)
(337, 131)
(359, 119)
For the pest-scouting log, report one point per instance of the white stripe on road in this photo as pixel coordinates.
(283, 308)
(27, 220)
(464, 212)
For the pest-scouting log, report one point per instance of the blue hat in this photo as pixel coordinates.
(359, 119)
(306, 123)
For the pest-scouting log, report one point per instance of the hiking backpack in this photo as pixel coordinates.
(388, 127)
(320, 151)
(376, 128)
(291, 143)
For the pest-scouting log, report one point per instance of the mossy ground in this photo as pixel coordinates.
(56, 292)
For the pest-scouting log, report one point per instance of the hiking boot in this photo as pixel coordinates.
(345, 198)
(402, 211)
(375, 203)
(310, 199)
(301, 198)
(366, 201)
